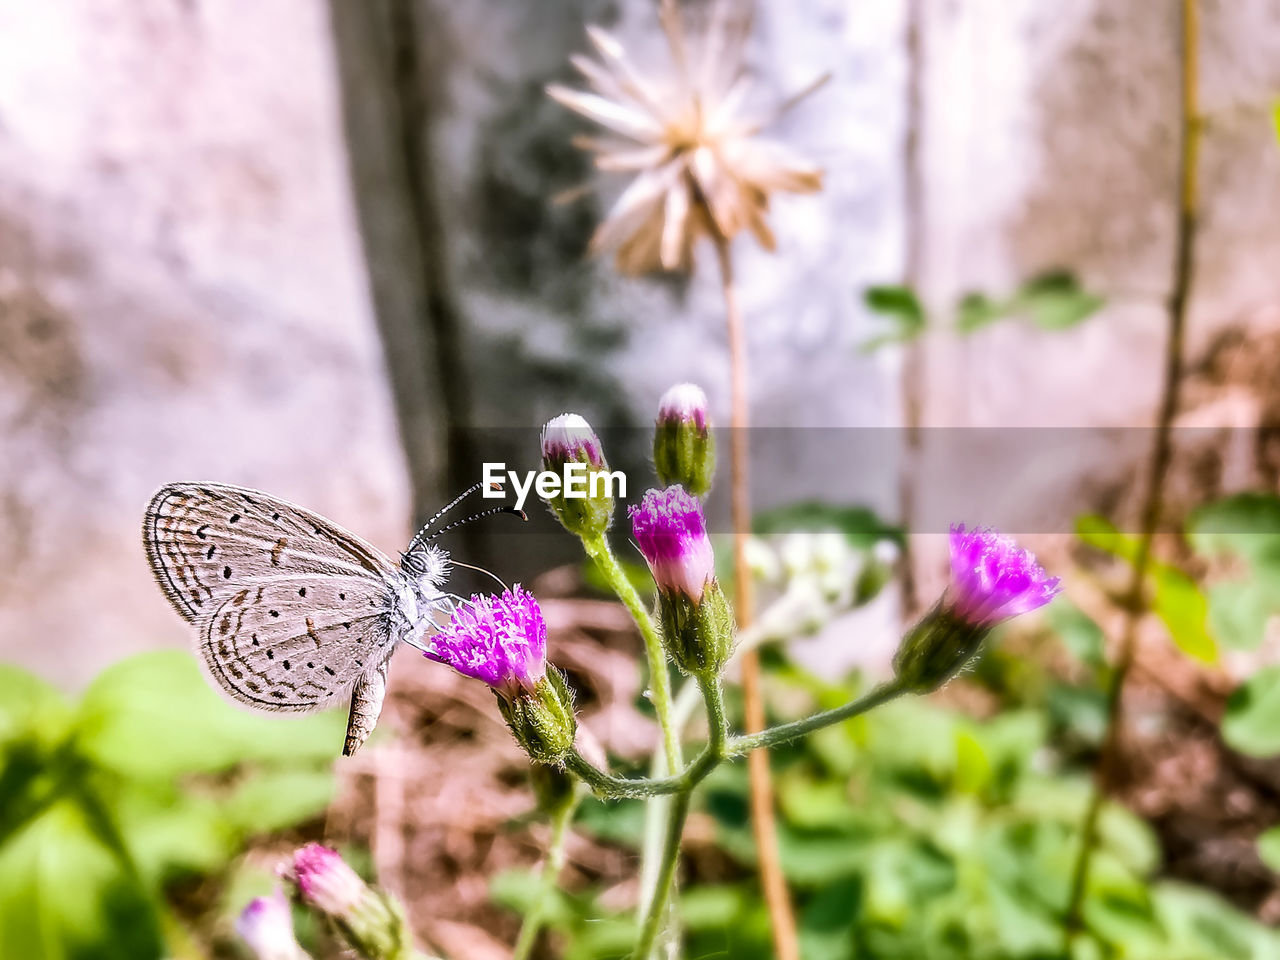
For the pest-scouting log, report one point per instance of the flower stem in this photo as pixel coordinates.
(652, 925)
(720, 747)
(773, 881)
(547, 881)
(785, 733)
(659, 680)
(1161, 456)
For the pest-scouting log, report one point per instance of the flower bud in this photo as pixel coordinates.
(371, 922)
(684, 451)
(266, 925)
(542, 719)
(697, 622)
(698, 636)
(992, 579)
(567, 440)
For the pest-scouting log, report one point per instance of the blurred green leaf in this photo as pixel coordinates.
(1269, 848)
(1244, 528)
(1078, 633)
(1176, 599)
(902, 311)
(1056, 301)
(277, 799)
(66, 896)
(1252, 720)
(155, 716)
(977, 310)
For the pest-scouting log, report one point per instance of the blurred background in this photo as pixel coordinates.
(323, 249)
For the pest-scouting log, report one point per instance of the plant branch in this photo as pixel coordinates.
(786, 732)
(532, 924)
(772, 879)
(1161, 456)
(652, 925)
(659, 679)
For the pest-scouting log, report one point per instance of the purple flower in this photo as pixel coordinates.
(568, 438)
(266, 925)
(684, 403)
(992, 578)
(325, 881)
(501, 640)
(672, 534)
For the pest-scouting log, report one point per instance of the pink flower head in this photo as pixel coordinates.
(501, 640)
(266, 925)
(992, 578)
(672, 534)
(568, 438)
(684, 403)
(325, 881)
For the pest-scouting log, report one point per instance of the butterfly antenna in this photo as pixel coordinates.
(488, 573)
(446, 508)
(476, 516)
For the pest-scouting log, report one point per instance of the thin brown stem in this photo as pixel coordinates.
(1161, 456)
(764, 827)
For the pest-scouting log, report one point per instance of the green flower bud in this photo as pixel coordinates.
(542, 719)
(568, 439)
(684, 451)
(698, 636)
(936, 649)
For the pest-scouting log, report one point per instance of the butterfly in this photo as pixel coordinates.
(293, 613)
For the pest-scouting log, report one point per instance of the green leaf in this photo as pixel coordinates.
(1175, 598)
(1269, 848)
(1056, 301)
(31, 709)
(278, 799)
(1251, 724)
(1078, 633)
(155, 716)
(977, 310)
(901, 309)
(66, 896)
(1244, 528)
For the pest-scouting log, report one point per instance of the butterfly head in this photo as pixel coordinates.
(427, 566)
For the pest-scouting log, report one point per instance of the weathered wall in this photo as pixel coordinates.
(181, 296)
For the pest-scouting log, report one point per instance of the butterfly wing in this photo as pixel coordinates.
(296, 645)
(290, 608)
(206, 541)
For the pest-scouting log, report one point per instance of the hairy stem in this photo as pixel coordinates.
(659, 680)
(653, 919)
(786, 732)
(1161, 456)
(782, 920)
(532, 924)
(721, 747)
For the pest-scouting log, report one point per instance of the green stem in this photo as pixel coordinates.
(547, 881)
(666, 874)
(786, 732)
(721, 747)
(659, 680)
(639, 788)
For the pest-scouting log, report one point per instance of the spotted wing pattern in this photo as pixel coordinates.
(297, 645)
(290, 608)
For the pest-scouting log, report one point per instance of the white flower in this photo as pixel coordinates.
(694, 146)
